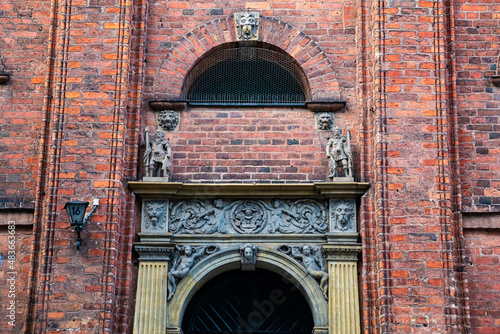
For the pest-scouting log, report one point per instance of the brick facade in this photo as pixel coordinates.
(422, 111)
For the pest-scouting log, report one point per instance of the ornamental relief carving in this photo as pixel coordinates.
(248, 216)
(343, 215)
(155, 216)
(247, 25)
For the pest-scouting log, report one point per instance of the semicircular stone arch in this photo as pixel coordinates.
(220, 33)
(230, 259)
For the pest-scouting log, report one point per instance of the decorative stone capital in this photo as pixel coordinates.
(342, 252)
(154, 252)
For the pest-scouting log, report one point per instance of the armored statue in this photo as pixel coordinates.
(158, 155)
(338, 151)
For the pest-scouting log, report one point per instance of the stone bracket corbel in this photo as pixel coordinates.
(325, 106)
(159, 105)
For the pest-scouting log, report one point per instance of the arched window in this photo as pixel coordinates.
(246, 76)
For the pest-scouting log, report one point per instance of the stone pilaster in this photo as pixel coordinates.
(343, 299)
(151, 297)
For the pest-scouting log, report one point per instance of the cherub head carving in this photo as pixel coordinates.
(342, 214)
(248, 253)
(325, 121)
(247, 25)
(168, 119)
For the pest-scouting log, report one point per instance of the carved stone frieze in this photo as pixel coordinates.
(342, 215)
(155, 214)
(312, 259)
(247, 26)
(168, 119)
(183, 259)
(248, 216)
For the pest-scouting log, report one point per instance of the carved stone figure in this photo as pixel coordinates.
(277, 216)
(155, 215)
(197, 216)
(325, 121)
(312, 260)
(168, 119)
(184, 259)
(248, 254)
(158, 155)
(338, 151)
(342, 214)
(247, 26)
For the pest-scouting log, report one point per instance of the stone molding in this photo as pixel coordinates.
(338, 252)
(340, 190)
(154, 252)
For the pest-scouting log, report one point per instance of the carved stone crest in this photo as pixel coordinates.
(248, 217)
(168, 119)
(343, 215)
(247, 26)
(154, 216)
(324, 121)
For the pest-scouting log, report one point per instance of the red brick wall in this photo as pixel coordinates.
(24, 28)
(483, 272)
(16, 236)
(478, 101)
(396, 75)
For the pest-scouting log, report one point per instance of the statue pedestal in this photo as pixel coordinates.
(155, 179)
(342, 179)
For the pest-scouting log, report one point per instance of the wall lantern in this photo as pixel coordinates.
(76, 213)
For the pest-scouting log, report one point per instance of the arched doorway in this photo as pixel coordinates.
(248, 302)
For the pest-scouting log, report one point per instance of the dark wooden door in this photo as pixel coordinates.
(248, 302)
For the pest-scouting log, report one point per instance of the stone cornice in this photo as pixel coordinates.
(255, 190)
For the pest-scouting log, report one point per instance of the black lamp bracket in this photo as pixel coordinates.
(79, 227)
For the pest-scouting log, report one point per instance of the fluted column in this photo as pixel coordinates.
(151, 298)
(343, 298)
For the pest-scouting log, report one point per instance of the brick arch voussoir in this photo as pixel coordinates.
(316, 64)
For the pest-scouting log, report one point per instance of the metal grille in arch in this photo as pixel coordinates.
(246, 76)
